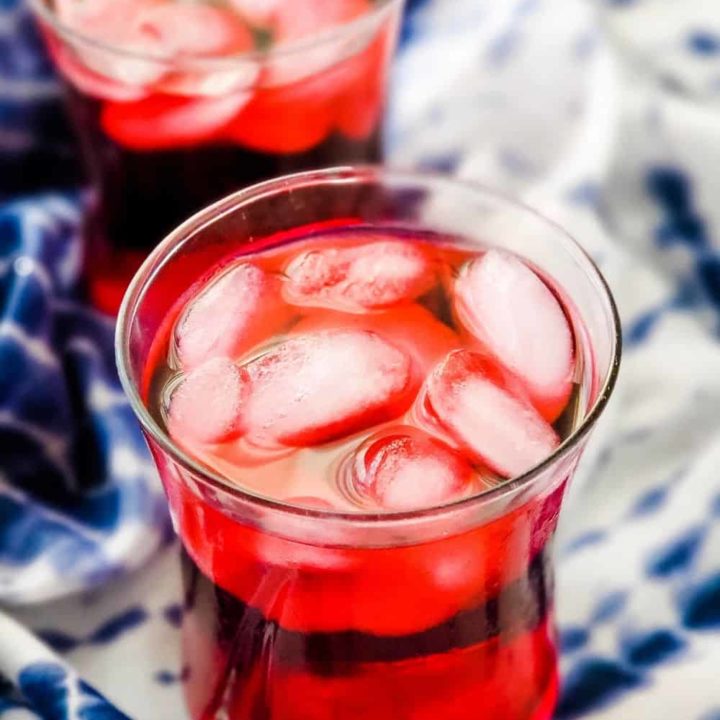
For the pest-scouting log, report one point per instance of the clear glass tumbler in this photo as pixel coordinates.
(299, 613)
(171, 118)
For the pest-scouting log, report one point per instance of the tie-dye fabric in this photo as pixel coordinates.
(609, 125)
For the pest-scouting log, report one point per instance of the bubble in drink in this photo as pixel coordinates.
(406, 469)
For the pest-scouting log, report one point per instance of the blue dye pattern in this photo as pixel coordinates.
(40, 152)
(64, 502)
(27, 302)
(409, 27)
(59, 641)
(24, 55)
(107, 632)
(609, 606)
(166, 677)
(503, 47)
(7, 704)
(441, 163)
(592, 683)
(683, 229)
(640, 328)
(173, 614)
(572, 639)
(584, 193)
(713, 714)
(103, 573)
(715, 505)
(27, 532)
(708, 272)
(118, 625)
(47, 688)
(652, 647)
(20, 543)
(650, 502)
(687, 296)
(412, 6)
(681, 224)
(677, 556)
(699, 605)
(592, 537)
(9, 698)
(6, 687)
(703, 42)
(11, 234)
(514, 162)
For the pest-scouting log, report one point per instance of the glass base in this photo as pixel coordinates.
(496, 661)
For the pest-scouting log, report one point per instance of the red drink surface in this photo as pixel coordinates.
(364, 370)
(176, 104)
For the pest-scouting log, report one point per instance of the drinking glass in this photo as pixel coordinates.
(164, 135)
(307, 613)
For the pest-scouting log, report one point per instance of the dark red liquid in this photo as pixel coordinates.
(494, 659)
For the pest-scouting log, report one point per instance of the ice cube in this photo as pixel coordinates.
(320, 386)
(85, 79)
(116, 49)
(166, 122)
(233, 313)
(292, 22)
(411, 328)
(375, 274)
(206, 405)
(197, 81)
(146, 38)
(197, 30)
(466, 395)
(513, 314)
(406, 469)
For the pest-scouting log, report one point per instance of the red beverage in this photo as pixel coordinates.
(365, 420)
(176, 104)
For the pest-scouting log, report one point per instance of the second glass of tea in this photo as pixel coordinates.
(178, 103)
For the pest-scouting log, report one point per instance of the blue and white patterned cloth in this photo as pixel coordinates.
(611, 126)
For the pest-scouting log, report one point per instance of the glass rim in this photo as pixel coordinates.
(224, 62)
(348, 175)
